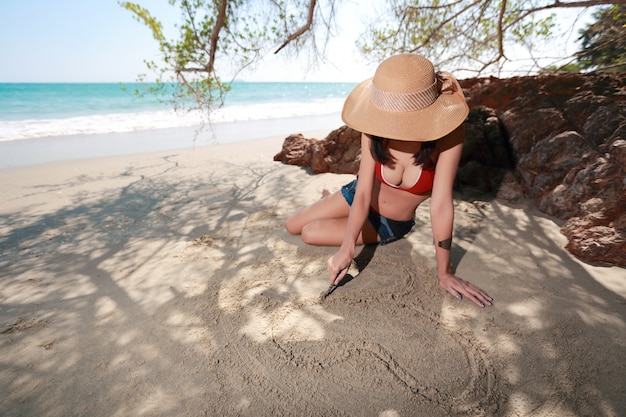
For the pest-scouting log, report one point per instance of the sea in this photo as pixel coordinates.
(35, 110)
(43, 122)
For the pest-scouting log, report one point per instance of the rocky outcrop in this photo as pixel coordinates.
(339, 153)
(567, 136)
(559, 140)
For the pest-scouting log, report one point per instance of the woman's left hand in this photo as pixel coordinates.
(460, 288)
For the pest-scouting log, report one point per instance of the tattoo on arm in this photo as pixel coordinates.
(445, 244)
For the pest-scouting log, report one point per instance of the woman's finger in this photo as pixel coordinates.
(339, 276)
(474, 294)
(480, 298)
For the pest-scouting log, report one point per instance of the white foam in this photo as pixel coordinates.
(161, 119)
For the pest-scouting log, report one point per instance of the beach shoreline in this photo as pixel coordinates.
(34, 151)
(163, 283)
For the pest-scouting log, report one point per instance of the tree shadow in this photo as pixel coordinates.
(177, 291)
(552, 320)
(98, 277)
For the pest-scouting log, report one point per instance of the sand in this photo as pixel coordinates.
(163, 284)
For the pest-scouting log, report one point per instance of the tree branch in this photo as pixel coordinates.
(583, 3)
(443, 22)
(303, 29)
(215, 35)
(500, 32)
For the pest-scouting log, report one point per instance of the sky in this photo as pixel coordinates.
(99, 41)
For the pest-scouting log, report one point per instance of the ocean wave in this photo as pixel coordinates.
(160, 119)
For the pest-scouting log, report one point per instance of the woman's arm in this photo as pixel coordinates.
(442, 218)
(339, 263)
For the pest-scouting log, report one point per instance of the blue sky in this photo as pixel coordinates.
(99, 41)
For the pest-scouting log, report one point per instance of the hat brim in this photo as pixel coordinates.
(447, 113)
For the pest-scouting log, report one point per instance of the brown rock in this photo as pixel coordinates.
(526, 127)
(545, 166)
(596, 243)
(619, 151)
(510, 189)
(296, 151)
(339, 152)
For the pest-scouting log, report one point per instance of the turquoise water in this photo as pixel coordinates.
(40, 101)
(32, 110)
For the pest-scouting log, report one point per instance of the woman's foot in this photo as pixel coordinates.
(325, 193)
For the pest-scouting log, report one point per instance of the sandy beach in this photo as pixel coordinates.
(164, 284)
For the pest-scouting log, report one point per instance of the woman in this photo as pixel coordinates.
(411, 121)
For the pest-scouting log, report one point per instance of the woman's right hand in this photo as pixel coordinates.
(338, 266)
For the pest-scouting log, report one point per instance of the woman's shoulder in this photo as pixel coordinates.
(452, 139)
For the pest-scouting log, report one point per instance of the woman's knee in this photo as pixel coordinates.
(323, 233)
(292, 226)
(309, 234)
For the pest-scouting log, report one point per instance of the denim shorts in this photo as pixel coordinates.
(388, 230)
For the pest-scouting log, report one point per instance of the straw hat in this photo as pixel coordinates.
(406, 100)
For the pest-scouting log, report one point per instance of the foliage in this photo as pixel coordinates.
(223, 36)
(569, 67)
(604, 41)
(472, 35)
(217, 37)
(469, 35)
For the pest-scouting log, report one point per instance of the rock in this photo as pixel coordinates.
(296, 151)
(598, 178)
(558, 139)
(510, 190)
(339, 152)
(619, 151)
(548, 162)
(597, 243)
(523, 129)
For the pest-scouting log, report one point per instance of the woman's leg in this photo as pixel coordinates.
(330, 232)
(333, 206)
(324, 223)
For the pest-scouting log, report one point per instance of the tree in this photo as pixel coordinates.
(470, 35)
(219, 34)
(604, 41)
(215, 35)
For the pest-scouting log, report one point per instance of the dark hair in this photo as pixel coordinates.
(381, 153)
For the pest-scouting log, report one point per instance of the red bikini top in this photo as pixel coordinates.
(423, 185)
